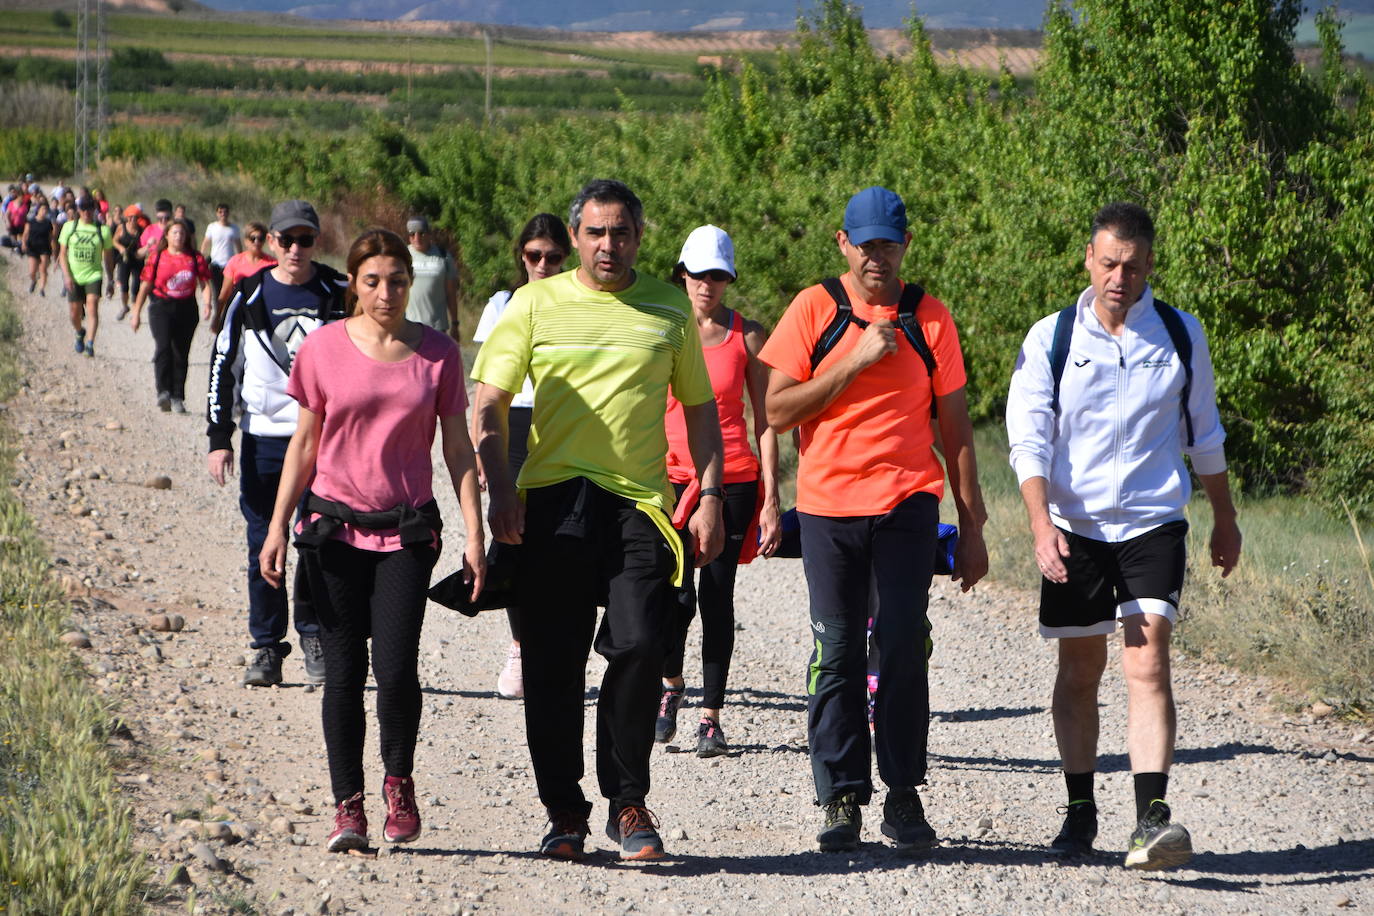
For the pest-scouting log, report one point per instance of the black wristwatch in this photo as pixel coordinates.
(717, 492)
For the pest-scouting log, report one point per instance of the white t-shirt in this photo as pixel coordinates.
(496, 307)
(222, 239)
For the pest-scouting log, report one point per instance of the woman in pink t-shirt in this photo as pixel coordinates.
(371, 390)
(246, 263)
(171, 276)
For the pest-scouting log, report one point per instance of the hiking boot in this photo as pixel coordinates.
(178, 405)
(80, 342)
(843, 819)
(567, 836)
(510, 683)
(123, 311)
(402, 817)
(711, 740)
(350, 826)
(1156, 843)
(313, 654)
(164, 401)
(33, 284)
(904, 820)
(635, 828)
(90, 348)
(666, 726)
(265, 669)
(1079, 830)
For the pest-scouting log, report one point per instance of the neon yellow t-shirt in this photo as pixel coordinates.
(601, 364)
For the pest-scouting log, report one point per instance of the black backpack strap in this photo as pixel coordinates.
(907, 306)
(1183, 346)
(1059, 349)
(906, 319)
(844, 314)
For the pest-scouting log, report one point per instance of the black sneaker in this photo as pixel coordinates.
(711, 740)
(666, 726)
(904, 820)
(635, 828)
(1079, 830)
(313, 654)
(843, 819)
(1156, 843)
(567, 836)
(265, 669)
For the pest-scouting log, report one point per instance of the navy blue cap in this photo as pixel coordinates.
(875, 213)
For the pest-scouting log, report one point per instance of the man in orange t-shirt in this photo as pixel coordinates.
(868, 494)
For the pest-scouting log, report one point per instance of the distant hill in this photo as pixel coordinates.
(633, 15)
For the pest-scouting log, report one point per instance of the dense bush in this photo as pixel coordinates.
(1259, 173)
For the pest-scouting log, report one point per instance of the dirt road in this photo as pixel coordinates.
(229, 784)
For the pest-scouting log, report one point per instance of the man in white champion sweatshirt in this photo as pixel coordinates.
(1106, 399)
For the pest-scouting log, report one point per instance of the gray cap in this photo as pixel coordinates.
(290, 214)
(417, 224)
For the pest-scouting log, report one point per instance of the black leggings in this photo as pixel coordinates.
(517, 450)
(173, 323)
(716, 596)
(360, 594)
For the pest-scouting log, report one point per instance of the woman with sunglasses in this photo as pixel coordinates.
(731, 344)
(540, 251)
(173, 274)
(247, 262)
(372, 389)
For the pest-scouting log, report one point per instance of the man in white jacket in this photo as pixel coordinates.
(1106, 399)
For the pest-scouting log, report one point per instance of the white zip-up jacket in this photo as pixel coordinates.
(1113, 457)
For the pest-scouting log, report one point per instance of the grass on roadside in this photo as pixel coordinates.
(65, 844)
(1299, 607)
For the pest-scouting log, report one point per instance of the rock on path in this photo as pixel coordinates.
(230, 788)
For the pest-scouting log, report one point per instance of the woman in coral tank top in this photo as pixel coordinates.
(731, 344)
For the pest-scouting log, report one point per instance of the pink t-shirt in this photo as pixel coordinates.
(378, 422)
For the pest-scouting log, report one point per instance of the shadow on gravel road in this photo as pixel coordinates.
(1335, 863)
(1110, 763)
(987, 715)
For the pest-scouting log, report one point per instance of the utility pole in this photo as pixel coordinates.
(102, 83)
(83, 87)
(486, 35)
(91, 113)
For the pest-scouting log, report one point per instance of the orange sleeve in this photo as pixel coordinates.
(789, 347)
(943, 338)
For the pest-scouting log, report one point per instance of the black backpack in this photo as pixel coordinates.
(912, 295)
(1178, 335)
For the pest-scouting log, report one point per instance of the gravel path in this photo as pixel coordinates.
(1278, 803)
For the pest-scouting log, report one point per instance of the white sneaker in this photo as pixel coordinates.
(510, 683)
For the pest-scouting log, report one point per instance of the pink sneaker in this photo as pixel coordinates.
(510, 683)
(402, 817)
(350, 826)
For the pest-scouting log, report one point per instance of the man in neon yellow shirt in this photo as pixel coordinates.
(602, 345)
(86, 251)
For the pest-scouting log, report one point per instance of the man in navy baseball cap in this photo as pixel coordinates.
(875, 213)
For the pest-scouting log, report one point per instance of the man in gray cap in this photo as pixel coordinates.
(434, 293)
(859, 364)
(269, 315)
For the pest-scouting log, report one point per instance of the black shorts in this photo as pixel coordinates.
(79, 291)
(38, 251)
(1143, 575)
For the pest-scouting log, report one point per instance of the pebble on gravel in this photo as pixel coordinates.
(206, 856)
(76, 639)
(158, 482)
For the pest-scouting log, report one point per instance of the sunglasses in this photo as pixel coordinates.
(552, 256)
(255, 237)
(303, 241)
(719, 276)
